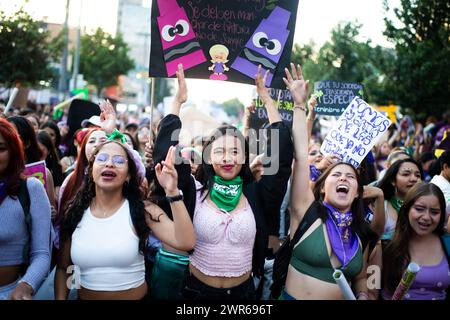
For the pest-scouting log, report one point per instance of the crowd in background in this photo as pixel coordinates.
(129, 213)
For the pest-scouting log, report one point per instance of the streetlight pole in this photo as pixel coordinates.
(63, 71)
(77, 50)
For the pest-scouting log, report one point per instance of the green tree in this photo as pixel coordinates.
(103, 58)
(421, 34)
(163, 89)
(344, 58)
(24, 51)
(233, 107)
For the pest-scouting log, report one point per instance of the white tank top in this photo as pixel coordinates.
(106, 251)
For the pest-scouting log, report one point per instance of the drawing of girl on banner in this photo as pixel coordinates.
(219, 56)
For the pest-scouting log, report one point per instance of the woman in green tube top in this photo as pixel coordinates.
(335, 238)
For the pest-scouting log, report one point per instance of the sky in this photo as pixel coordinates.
(315, 20)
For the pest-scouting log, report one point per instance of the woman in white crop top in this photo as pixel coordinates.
(106, 226)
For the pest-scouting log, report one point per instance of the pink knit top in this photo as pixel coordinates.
(224, 245)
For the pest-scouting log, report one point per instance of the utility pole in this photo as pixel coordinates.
(63, 71)
(77, 50)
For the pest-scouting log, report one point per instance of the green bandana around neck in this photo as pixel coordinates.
(226, 193)
(396, 204)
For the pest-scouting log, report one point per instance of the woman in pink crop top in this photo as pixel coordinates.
(234, 214)
(108, 217)
(418, 238)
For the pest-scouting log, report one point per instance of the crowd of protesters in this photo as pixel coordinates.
(127, 212)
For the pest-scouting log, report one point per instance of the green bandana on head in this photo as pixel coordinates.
(226, 193)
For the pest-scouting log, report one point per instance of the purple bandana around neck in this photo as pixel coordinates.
(2, 191)
(342, 239)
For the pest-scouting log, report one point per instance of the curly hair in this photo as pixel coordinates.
(131, 190)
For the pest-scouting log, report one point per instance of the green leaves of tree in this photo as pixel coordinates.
(103, 58)
(24, 51)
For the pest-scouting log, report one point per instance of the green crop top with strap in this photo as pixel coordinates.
(311, 257)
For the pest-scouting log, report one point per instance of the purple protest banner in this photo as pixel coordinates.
(37, 170)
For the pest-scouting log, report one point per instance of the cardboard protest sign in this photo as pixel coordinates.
(37, 170)
(334, 96)
(285, 105)
(355, 133)
(222, 40)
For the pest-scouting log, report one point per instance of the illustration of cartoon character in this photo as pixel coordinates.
(178, 39)
(219, 54)
(265, 46)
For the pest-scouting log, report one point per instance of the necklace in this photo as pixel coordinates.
(105, 213)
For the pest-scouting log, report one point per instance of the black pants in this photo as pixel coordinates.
(194, 289)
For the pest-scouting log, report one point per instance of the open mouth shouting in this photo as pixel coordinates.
(108, 175)
(342, 190)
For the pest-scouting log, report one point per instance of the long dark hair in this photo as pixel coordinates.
(16, 163)
(358, 225)
(131, 190)
(133, 141)
(28, 136)
(396, 255)
(55, 128)
(205, 173)
(386, 183)
(52, 160)
(76, 179)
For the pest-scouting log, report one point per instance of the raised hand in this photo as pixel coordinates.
(263, 92)
(312, 103)
(107, 117)
(148, 155)
(327, 161)
(251, 108)
(257, 167)
(297, 85)
(260, 81)
(167, 174)
(181, 95)
(371, 192)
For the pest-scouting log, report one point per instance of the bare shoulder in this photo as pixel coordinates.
(154, 212)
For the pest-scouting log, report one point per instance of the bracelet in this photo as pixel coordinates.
(297, 106)
(362, 293)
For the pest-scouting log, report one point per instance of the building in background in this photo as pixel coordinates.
(133, 22)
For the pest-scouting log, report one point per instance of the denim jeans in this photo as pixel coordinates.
(5, 291)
